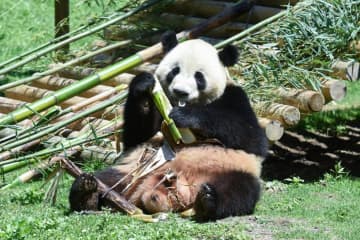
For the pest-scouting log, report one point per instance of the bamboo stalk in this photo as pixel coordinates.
(333, 89)
(16, 165)
(117, 68)
(54, 83)
(82, 72)
(304, 100)
(59, 125)
(62, 66)
(285, 114)
(58, 45)
(118, 201)
(273, 129)
(28, 94)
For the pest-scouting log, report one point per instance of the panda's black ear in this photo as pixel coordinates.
(229, 55)
(169, 41)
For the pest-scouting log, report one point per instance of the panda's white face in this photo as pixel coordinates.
(193, 73)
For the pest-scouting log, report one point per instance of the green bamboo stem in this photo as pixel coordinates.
(120, 67)
(63, 66)
(16, 165)
(59, 125)
(58, 45)
(47, 152)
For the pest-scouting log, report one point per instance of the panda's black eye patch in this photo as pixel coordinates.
(170, 76)
(200, 80)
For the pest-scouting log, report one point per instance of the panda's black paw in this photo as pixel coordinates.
(205, 203)
(86, 183)
(184, 118)
(142, 84)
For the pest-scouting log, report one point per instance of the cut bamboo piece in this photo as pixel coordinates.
(304, 100)
(285, 114)
(182, 21)
(54, 83)
(333, 89)
(346, 70)
(273, 128)
(30, 94)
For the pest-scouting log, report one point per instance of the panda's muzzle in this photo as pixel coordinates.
(180, 94)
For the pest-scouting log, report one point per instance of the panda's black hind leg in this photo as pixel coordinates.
(205, 203)
(84, 194)
(232, 193)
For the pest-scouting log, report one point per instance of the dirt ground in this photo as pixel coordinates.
(311, 154)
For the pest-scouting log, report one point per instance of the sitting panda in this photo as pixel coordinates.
(216, 180)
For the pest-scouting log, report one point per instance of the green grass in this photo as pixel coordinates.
(327, 209)
(27, 24)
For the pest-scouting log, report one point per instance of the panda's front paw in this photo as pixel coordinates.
(205, 203)
(142, 84)
(184, 118)
(86, 183)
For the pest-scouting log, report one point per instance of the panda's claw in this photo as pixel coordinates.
(87, 183)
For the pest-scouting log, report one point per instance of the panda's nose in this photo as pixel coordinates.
(180, 93)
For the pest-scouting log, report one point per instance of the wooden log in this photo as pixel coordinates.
(273, 128)
(8, 105)
(118, 201)
(208, 8)
(285, 114)
(95, 152)
(346, 70)
(183, 22)
(30, 94)
(333, 90)
(354, 45)
(304, 100)
(54, 83)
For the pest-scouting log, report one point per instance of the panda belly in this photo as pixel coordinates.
(194, 168)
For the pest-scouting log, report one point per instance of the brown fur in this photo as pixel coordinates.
(193, 166)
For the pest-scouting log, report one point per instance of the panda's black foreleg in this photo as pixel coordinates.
(141, 118)
(83, 194)
(231, 194)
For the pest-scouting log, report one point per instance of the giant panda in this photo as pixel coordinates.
(216, 180)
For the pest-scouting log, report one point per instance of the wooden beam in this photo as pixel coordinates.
(62, 19)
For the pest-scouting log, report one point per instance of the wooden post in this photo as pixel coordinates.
(62, 20)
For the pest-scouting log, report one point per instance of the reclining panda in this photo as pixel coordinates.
(216, 180)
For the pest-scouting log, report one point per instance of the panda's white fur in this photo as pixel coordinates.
(217, 180)
(204, 58)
